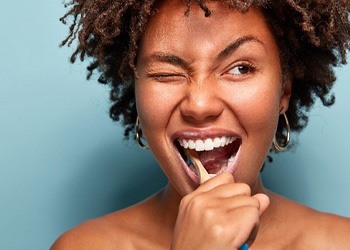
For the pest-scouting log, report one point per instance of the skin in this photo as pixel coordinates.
(204, 93)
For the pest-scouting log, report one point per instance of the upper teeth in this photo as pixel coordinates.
(206, 144)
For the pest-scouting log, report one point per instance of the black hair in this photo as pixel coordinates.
(313, 37)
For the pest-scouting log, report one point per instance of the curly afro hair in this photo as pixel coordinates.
(313, 37)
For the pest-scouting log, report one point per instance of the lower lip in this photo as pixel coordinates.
(230, 169)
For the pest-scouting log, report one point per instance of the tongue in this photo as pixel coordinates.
(216, 159)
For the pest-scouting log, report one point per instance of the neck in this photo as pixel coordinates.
(167, 203)
(257, 186)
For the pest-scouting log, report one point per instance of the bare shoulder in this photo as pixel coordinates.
(301, 227)
(328, 231)
(129, 228)
(99, 233)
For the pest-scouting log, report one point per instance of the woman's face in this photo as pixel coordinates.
(212, 83)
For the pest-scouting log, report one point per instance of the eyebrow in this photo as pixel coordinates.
(232, 47)
(178, 61)
(168, 58)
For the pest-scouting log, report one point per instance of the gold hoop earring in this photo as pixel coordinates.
(138, 135)
(278, 147)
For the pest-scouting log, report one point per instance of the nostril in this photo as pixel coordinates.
(200, 119)
(200, 110)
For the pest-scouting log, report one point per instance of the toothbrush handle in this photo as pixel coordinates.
(204, 176)
(244, 247)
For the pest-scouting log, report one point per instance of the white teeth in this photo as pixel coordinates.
(217, 142)
(191, 145)
(223, 141)
(207, 144)
(200, 145)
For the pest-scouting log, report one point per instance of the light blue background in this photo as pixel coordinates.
(62, 160)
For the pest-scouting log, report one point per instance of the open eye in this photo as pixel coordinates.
(241, 69)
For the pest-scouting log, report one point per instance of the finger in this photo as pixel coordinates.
(240, 202)
(220, 179)
(246, 224)
(230, 190)
(264, 202)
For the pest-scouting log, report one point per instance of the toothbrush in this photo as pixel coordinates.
(202, 172)
(204, 176)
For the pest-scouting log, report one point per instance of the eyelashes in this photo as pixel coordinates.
(239, 71)
(167, 77)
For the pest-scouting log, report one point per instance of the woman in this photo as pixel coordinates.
(228, 79)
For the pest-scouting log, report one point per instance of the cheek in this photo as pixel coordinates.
(257, 113)
(154, 105)
(257, 108)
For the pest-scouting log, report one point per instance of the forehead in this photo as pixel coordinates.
(170, 29)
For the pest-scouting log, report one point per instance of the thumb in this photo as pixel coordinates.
(264, 201)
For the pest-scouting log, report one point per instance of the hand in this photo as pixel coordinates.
(220, 214)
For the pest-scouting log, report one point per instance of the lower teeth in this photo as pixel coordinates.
(231, 160)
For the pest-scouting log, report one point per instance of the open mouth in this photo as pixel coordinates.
(216, 154)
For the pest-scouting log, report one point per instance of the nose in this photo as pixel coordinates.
(202, 104)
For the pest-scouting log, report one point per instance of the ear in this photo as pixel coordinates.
(286, 94)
